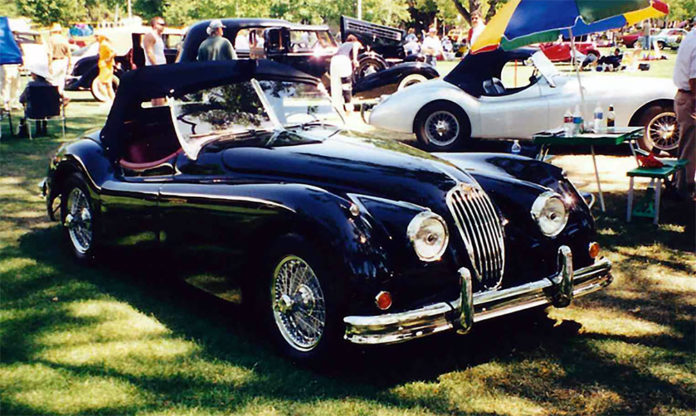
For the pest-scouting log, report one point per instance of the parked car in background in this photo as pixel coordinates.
(384, 45)
(305, 47)
(561, 51)
(337, 237)
(669, 38)
(630, 39)
(127, 42)
(493, 95)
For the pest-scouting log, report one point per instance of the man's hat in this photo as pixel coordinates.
(56, 28)
(214, 25)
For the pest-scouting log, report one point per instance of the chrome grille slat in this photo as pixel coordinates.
(480, 228)
(486, 222)
(492, 230)
(473, 231)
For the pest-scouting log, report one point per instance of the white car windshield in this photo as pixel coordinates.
(545, 66)
(243, 110)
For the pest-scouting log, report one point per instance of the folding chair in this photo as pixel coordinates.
(43, 102)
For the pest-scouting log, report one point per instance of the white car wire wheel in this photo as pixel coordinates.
(411, 79)
(301, 300)
(98, 93)
(661, 129)
(77, 217)
(442, 126)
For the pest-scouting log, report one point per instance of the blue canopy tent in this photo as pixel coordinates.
(9, 50)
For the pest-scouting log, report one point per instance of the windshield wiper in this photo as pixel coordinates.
(228, 134)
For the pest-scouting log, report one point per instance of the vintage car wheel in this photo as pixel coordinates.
(370, 65)
(301, 305)
(661, 129)
(442, 126)
(98, 94)
(77, 217)
(411, 79)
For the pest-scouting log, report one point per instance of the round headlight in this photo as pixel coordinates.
(428, 234)
(550, 213)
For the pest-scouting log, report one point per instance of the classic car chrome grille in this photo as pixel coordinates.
(480, 228)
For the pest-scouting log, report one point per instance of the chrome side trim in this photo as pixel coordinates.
(567, 284)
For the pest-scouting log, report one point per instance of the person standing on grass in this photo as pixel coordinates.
(153, 43)
(58, 56)
(216, 47)
(432, 47)
(105, 64)
(685, 107)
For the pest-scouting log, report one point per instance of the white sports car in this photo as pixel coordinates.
(472, 101)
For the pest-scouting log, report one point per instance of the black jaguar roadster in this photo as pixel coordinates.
(348, 238)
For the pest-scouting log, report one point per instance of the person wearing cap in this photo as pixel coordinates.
(216, 47)
(432, 47)
(685, 107)
(153, 43)
(40, 75)
(58, 56)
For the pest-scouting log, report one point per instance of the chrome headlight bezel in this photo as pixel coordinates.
(418, 235)
(545, 202)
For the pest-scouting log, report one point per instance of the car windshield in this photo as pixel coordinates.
(240, 111)
(545, 66)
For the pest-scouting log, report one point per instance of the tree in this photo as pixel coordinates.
(51, 11)
(490, 7)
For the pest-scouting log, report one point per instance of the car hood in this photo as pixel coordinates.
(352, 164)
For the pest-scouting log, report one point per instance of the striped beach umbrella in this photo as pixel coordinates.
(523, 22)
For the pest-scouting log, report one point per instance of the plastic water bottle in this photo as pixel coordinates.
(568, 123)
(516, 148)
(611, 117)
(577, 120)
(598, 119)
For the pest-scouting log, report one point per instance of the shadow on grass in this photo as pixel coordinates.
(147, 281)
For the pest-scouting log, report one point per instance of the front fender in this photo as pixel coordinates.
(398, 111)
(387, 81)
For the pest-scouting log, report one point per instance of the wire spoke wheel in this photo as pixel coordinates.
(663, 131)
(299, 308)
(79, 221)
(441, 128)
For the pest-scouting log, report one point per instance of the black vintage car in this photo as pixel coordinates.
(127, 43)
(346, 238)
(304, 47)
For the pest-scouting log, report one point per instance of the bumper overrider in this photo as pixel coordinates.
(462, 313)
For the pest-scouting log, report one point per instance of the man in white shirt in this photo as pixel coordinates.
(153, 43)
(432, 47)
(685, 107)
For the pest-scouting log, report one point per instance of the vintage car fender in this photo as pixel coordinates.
(398, 111)
(388, 80)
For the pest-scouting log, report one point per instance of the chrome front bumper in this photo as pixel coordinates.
(469, 308)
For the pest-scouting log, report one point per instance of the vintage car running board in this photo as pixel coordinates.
(456, 315)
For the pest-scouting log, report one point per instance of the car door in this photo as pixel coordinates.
(520, 111)
(129, 204)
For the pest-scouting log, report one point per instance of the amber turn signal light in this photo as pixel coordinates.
(383, 300)
(594, 249)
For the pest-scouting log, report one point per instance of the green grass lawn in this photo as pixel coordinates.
(120, 338)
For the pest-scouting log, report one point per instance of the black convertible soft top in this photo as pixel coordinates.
(175, 80)
(472, 70)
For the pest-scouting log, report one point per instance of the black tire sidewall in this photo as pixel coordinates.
(332, 338)
(76, 180)
(464, 126)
